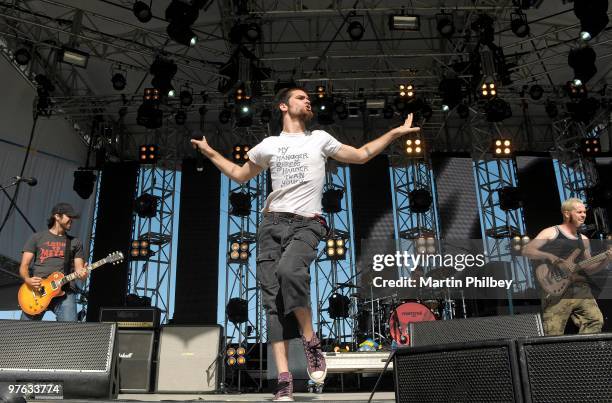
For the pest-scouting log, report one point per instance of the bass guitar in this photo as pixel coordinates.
(555, 280)
(34, 301)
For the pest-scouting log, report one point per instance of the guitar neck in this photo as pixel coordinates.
(73, 276)
(594, 259)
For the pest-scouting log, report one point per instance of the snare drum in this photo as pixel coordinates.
(403, 315)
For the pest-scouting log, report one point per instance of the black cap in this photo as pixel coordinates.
(65, 208)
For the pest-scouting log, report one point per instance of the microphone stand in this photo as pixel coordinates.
(13, 204)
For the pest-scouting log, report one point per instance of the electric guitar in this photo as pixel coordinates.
(35, 301)
(555, 280)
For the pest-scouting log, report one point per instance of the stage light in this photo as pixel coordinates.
(497, 110)
(240, 360)
(445, 25)
(180, 117)
(355, 30)
(406, 91)
(244, 113)
(239, 153)
(182, 34)
(582, 61)
(252, 32)
(149, 115)
(339, 306)
(590, 147)
(324, 107)
(148, 153)
(502, 148)
(332, 200)
(74, 57)
(419, 200)
(518, 24)
(225, 116)
(483, 26)
(240, 204)
(451, 91)
(414, 147)
(335, 248)
(145, 205)
(510, 198)
(22, 56)
(237, 310)
(320, 91)
(119, 81)
(142, 11)
(404, 22)
(518, 242)
(488, 90)
(231, 351)
(140, 249)
(536, 92)
(84, 182)
(599, 196)
(231, 361)
(239, 252)
(163, 71)
(575, 90)
(593, 16)
(186, 97)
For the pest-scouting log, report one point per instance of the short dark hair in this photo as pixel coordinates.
(51, 221)
(282, 97)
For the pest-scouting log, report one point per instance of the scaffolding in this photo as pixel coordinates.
(152, 278)
(335, 276)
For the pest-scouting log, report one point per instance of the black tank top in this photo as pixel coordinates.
(562, 246)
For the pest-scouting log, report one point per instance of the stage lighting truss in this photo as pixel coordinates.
(425, 244)
(239, 153)
(335, 248)
(239, 251)
(502, 148)
(148, 153)
(590, 147)
(414, 147)
(140, 249)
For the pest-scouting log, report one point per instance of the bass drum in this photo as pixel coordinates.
(403, 315)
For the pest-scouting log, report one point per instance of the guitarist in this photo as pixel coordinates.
(46, 250)
(554, 245)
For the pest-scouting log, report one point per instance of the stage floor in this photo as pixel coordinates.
(358, 397)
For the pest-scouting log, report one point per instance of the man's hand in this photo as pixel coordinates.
(406, 128)
(202, 146)
(565, 265)
(33, 282)
(82, 273)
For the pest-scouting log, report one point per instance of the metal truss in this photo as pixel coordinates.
(153, 278)
(499, 226)
(336, 276)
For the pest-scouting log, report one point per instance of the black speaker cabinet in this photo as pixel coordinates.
(575, 368)
(189, 359)
(483, 371)
(473, 329)
(135, 349)
(81, 355)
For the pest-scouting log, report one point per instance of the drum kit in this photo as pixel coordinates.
(386, 320)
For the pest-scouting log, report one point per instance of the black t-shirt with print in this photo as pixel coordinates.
(48, 250)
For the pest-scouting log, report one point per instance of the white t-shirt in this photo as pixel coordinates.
(297, 165)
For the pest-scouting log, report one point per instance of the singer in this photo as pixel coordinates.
(292, 226)
(554, 245)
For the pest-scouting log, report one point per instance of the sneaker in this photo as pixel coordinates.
(284, 390)
(317, 369)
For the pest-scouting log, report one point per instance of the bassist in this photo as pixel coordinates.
(561, 246)
(45, 252)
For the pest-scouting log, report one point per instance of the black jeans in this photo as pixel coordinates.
(287, 246)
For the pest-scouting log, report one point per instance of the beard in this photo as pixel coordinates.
(307, 116)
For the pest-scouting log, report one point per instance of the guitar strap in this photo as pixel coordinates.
(67, 261)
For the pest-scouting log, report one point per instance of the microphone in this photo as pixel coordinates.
(30, 181)
(587, 228)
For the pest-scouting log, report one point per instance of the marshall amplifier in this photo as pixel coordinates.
(136, 351)
(131, 317)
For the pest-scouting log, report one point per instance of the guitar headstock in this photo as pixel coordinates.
(115, 257)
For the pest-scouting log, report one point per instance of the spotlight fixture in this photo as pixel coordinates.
(510, 198)
(237, 310)
(320, 91)
(142, 11)
(590, 147)
(182, 34)
(404, 23)
(488, 90)
(445, 24)
(244, 113)
(406, 91)
(186, 97)
(163, 71)
(425, 244)
(324, 107)
(518, 24)
(339, 306)
(180, 117)
(355, 30)
(405, 95)
(239, 153)
(536, 92)
(84, 182)
(181, 15)
(145, 205)
(240, 204)
(335, 248)
(225, 116)
(332, 200)
(419, 200)
(22, 56)
(576, 90)
(119, 81)
(502, 148)
(239, 252)
(483, 26)
(74, 57)
(252, 32)
(414, 147)
(451, 91)
(140, 249)
(593, 16)
(582, 61)
(149, 154)
(497, 110)
(149, 115)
